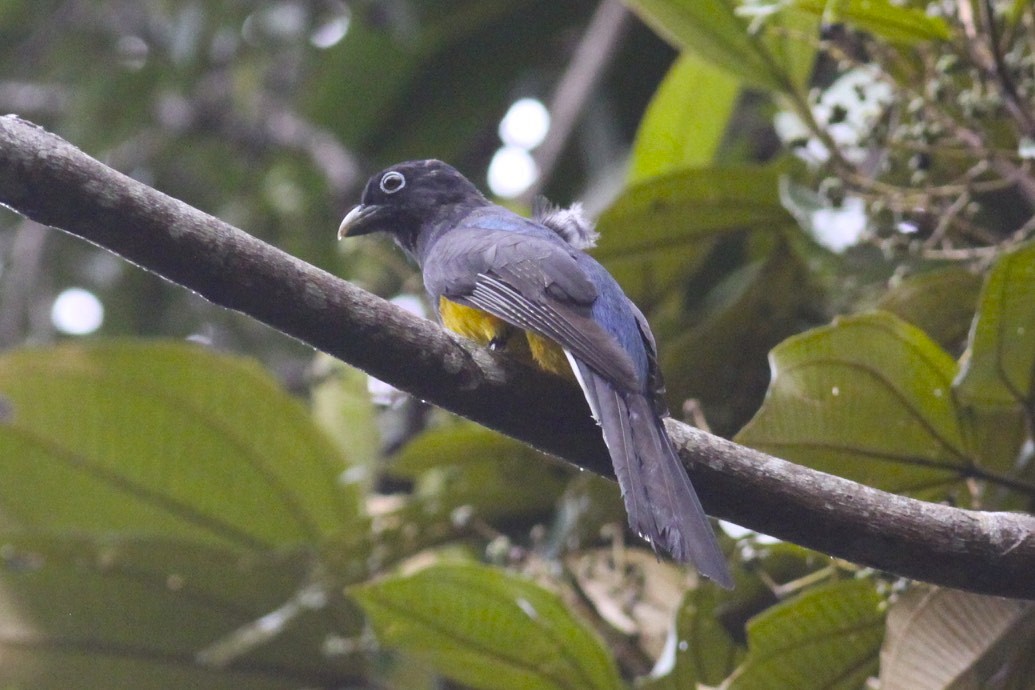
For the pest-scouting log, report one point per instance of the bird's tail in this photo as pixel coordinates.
(662, 504)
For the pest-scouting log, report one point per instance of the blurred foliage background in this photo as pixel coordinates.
(263, 114)
(823, 207)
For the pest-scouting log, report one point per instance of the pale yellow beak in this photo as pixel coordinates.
(355, 221)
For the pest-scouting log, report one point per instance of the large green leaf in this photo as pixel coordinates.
(487, 629)
(103, 612)
(414, 78)
(791, 38)
(703, 653)
(944, 638)
(685, 121)
(897, 23)
(163, 439)
(717, 355)
(712, 29)
(829, 637)
(999, 365)
(342, 406)
(939, 302)
(869, 398)
(994, 384)
(375, 68)
(659, 230)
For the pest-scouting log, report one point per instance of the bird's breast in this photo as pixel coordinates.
(471, 323)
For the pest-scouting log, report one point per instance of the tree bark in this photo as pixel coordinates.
(44, 178)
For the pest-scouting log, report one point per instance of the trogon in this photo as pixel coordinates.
(525, 286)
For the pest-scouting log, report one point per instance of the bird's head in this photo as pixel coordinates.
(402, 199)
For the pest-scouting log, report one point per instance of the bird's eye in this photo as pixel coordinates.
(392, 182)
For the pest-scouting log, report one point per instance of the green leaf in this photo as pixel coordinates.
(868, 398)
(104, 612)
(712, 29)
(658, 231)
(828, 637)
(717, 354)
(469, 465)
(1015, 12)
(686, 120)
(944, 638)
(704, 653)
(994, 385)
(999, 365)
(895, 23)
(393, 86)
(362, 92)
(939, 302)
(791, 38)
(343, 408)
(487, 629)
(163, 439)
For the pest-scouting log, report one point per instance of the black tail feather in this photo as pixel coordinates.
(662, 504)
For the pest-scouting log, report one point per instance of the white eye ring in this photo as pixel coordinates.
(392, 182)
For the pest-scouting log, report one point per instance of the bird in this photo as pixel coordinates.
(527, 287)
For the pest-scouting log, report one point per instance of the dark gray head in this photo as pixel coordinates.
(401, 199)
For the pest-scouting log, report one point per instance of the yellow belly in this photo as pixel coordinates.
(485, 329)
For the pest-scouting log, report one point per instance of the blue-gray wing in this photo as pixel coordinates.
(534, 282)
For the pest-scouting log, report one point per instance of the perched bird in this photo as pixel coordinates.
(526, 287)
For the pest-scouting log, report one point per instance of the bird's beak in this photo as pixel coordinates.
(358, 221)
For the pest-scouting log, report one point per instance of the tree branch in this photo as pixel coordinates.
(45, 178)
